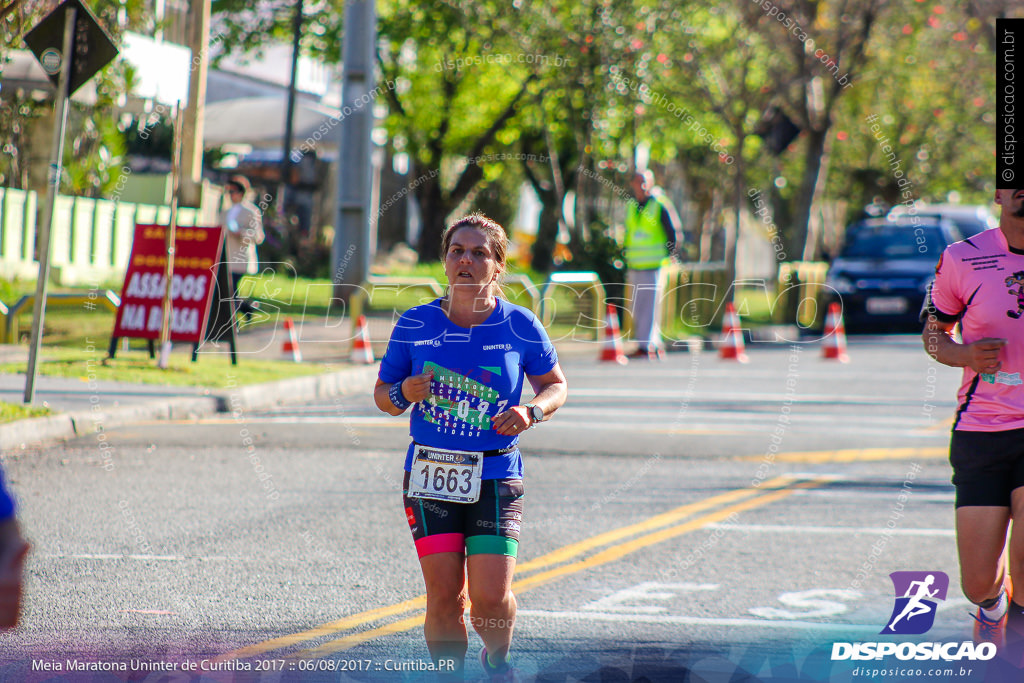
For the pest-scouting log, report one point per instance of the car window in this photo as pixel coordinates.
(904, 242)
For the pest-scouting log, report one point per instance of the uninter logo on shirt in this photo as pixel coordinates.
(496, 347)
(428, 342)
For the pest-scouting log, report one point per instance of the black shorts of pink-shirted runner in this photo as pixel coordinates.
(987, 466)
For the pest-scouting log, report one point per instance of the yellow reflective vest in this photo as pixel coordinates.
(645, 245)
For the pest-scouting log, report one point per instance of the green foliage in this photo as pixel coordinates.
(212, 370)
(94, 149)
(930, 87)
(9, 412)
(603, 255)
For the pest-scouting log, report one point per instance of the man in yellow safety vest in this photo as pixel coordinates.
(651, 230)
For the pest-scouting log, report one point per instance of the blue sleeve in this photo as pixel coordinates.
(6, 502)
(539, 357)
(396, 364)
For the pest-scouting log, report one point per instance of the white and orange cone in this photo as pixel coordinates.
(290, 350)
(362, 353)
(612, 349)
(732, 347)
(834, 346)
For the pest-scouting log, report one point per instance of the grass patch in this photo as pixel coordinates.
(9, 412)
(208, 371)
(754, 305)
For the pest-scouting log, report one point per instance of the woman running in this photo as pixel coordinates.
(461, 360)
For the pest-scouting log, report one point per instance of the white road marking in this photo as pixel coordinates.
(830, 530)
(141, 558)
(750, 397)
(697, 621)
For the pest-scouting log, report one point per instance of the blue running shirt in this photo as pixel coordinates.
(6, 502)
(478, 373)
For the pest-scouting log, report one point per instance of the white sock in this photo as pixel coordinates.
(999, 609)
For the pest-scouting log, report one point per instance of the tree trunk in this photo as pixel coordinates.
(732, 233)
(808, 187)
(434, 210)
(547, 233)
(816, 216)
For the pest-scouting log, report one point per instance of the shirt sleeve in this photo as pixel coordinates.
(945, 300)
(539, 357)
(6, 502)
(396, 364)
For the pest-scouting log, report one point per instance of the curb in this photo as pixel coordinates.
(41, 431)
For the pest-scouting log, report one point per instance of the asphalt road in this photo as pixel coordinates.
(692, 518)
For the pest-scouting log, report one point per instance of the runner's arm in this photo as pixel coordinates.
(551, 389)
(980, 356)
(414, 389)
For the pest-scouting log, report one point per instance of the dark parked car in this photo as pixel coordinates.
(882, 274)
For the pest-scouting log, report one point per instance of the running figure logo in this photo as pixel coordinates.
(917, 595)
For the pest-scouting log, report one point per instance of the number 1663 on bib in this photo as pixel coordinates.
(446, 475)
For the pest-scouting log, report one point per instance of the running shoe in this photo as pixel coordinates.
(504, 673)
(993, 630)
(644, 354)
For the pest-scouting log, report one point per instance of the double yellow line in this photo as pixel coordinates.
(547, 568)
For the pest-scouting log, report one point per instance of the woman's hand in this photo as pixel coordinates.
(417, 387)
(513, 421)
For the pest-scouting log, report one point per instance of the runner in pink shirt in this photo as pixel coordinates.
(979, 284)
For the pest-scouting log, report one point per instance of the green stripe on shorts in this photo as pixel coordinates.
(491, 545)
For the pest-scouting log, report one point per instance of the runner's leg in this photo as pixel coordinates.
(445, 632)
(1015, 618)
(981, 541)
(492, 604)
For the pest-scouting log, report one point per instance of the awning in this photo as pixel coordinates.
(259, 121)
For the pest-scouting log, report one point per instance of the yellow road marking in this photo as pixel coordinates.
(856, 455)
(344, 624)
(349, 642)
(604, 557)
(561, 555)
(672, 516)
(945, 425)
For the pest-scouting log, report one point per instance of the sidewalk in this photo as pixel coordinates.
(83, 407)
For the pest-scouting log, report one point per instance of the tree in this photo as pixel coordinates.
(95, 147)
(456, 96)
(930, 103)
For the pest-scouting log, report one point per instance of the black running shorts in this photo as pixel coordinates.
(987, 466)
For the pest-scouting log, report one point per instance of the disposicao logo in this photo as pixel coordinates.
(917, 596)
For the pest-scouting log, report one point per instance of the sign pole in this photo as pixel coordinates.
(165, 329)
(56, 171)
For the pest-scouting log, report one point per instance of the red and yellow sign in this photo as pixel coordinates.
(196, 256)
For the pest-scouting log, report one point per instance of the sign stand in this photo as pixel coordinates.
(198, 259)
(113, 347)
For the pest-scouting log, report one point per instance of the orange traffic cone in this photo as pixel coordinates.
(290, 350)
(732, 347)
(834, 346)
(362, 353)
(612, 351)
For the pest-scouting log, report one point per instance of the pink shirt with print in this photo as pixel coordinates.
(980, 281)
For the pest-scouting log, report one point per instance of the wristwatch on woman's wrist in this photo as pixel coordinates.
(535, 412)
